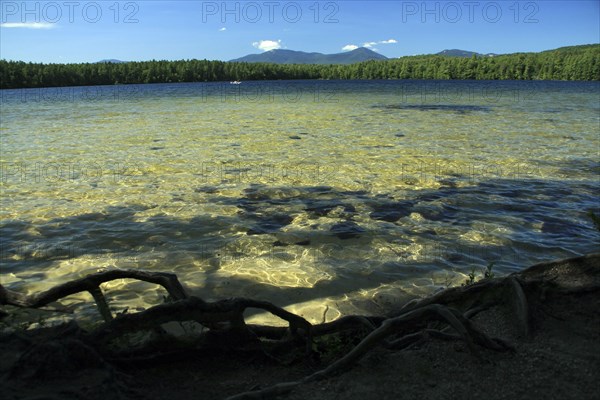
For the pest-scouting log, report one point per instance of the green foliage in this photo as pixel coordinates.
(568, 63)
(487, 273)
(331, 347)
(471, 279)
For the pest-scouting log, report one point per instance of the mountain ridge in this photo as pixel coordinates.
(111, 61)
(463, 53)
(284, 56)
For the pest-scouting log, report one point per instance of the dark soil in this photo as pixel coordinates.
(559, 360)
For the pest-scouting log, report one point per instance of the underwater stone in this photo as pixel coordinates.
(270, 224)
(206, 189)
(391, 212)
(321, 208)
(347, 230)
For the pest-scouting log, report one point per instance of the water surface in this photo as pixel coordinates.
(327, 197)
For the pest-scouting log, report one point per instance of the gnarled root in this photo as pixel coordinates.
(465, 329)
(524, 290)
(91, 284)
(229, 312)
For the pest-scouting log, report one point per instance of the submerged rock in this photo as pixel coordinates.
(207, 189)
(321, 208)
(445, 213)
(270, 224)
(279, 243)
(347, 230)
(391, 212)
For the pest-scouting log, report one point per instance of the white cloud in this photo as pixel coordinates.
(222, 29)
(369, 45)
(28, 25)
(349, 47)
(267, 45)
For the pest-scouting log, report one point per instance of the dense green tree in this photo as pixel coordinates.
(567, 63)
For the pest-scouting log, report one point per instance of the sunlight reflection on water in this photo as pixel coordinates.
(345, 196)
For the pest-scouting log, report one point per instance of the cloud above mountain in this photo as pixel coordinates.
(266, 45)
(349, 47)
(368, 45)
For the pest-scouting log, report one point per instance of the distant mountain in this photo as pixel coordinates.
(572, 49)
(463, 53)
(299, 57)
(110, 61)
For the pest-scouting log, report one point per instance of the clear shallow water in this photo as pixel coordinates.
(327, 197)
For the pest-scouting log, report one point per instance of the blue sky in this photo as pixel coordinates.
(87, 31)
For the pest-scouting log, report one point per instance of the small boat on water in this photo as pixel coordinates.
(235, 82)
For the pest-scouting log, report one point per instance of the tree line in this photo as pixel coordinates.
(575, 63)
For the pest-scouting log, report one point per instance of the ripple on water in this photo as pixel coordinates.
(337, 208)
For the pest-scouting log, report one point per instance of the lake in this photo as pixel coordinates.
(326, 197)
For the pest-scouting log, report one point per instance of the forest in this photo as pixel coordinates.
(574, 63)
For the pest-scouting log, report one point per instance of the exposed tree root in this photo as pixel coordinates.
(444, 316)
(521, 306)
(91, 284)
(455, 319)
(227, 314)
